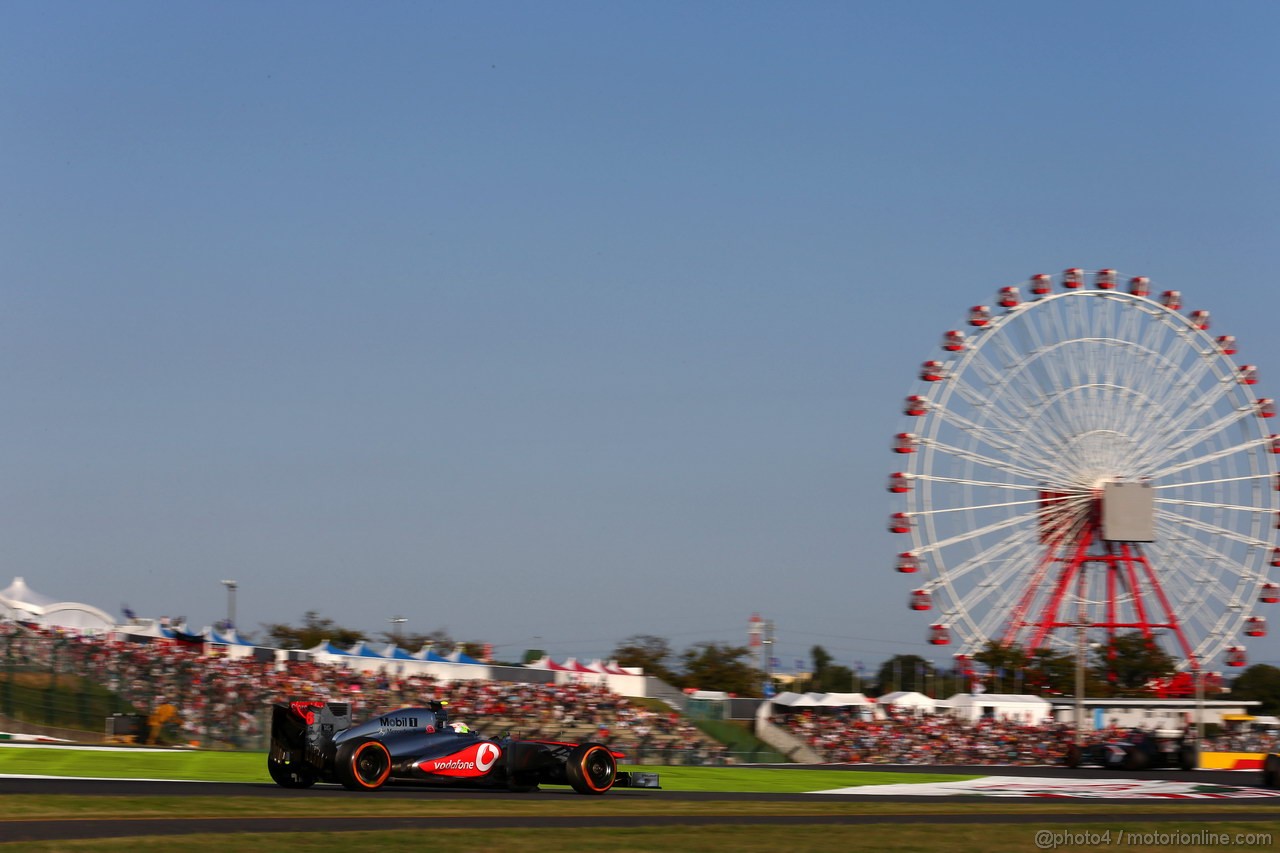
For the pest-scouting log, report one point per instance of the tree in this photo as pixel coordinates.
(648, 652)
(715, 666)
(949, 682)
(1261, 682)
(438, 639)
(1006, 666)
(904, 672)
(313, 631)
(827, 676)
(1052, 672)
(1130, 661)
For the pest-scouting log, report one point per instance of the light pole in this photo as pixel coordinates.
(1082, 624)
(767, 644)
(231, 604)
(396, 622)
(1199, 674)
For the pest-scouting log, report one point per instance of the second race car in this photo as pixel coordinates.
(1135, 750)
(315, 741)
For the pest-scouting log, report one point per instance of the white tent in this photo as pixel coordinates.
(808, 700)
(844, 700)
(857, 701)
(1018, 708)
(909, 700)
(21, 603)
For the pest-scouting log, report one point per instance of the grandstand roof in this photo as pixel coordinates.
(21, 603)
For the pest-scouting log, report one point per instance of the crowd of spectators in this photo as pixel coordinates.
(215, 700)
(219, 701)
(1245, 741)
(903, 738)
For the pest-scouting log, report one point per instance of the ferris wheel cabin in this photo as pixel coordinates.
(933, 371)
(899, 482)
(979, 315)
(915, 406)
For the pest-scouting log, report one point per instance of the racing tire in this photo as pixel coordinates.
(591, 768)
(290, 775)
(1188, 757)
(362, 764)
(1134, 759)
(1271, 771)
(1074, 756)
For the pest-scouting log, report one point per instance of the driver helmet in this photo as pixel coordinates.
(460, 727)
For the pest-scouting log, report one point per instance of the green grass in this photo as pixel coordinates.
(19, 807)
(67, 701)
(712, 839)
(740, 741)
(251, 767)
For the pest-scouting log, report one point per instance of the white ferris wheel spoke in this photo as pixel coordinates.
(1188, 464)
(1206, 527)
(1243, 478)
(990, 484)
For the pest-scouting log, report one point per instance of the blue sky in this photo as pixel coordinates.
(566, 321)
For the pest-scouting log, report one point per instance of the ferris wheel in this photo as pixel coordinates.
(1088, 459)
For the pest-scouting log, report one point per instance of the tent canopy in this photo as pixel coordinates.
(906, 699)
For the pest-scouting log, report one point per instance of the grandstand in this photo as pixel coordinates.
(168, 691)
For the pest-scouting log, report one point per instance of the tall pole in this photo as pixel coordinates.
(767, 644)
(231, 604)
(1199, 671)
(1080, 681)
(396, 622)
(1082, 619)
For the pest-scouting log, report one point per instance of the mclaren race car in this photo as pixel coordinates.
(317, 742)
(1136, 750)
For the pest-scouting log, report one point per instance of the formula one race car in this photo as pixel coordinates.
(316, 742)
(1136, 750)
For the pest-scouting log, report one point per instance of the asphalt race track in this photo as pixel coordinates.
(307, 820)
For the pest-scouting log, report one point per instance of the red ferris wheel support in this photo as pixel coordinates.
(1131, 588)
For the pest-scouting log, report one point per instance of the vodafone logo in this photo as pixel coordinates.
(486, 756)
(476, 760)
